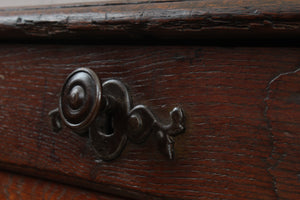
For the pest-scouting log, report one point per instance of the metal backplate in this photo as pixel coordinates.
(107, 132)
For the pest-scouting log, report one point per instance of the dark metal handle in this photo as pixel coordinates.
(104, 113)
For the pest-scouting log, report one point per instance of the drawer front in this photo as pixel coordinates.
(16, 186)
(241, 107)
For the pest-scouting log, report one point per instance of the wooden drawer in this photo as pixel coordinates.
(242, 119)
(241, 102)
(15, 186)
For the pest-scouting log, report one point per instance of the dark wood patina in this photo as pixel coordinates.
(232, 66)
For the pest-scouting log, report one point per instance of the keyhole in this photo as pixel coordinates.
(105, 123)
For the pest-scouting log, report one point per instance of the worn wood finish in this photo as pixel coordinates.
(22, 3)
(283, 114)
(161, 19)
(14, 186)
(242, 119)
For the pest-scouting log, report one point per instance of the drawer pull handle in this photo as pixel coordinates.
(104, 113)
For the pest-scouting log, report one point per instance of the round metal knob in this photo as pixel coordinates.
(80, 99)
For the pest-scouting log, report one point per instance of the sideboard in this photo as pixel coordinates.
(233, 67)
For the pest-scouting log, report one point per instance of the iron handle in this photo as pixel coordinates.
(105, 114)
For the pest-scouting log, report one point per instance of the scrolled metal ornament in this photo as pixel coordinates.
(104, 113)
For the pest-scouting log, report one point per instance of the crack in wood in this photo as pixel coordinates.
(269, 128)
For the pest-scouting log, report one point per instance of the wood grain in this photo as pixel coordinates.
(242, 114)
(161, 19)
(282, 111)
(14, 186)
(22, 3)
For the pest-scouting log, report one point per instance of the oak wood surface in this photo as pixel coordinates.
(15, 186)
(242, 119)
(161, 19)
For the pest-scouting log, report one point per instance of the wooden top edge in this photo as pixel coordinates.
(156, 20)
